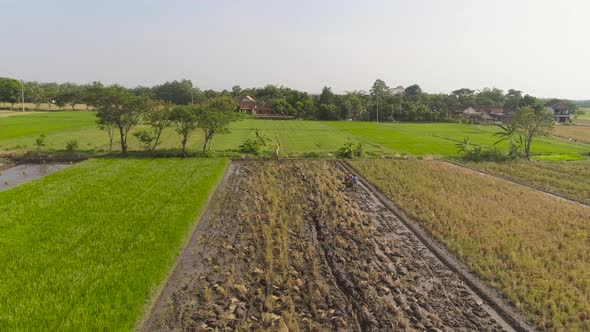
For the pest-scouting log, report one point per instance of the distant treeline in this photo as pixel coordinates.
(389, 104)
(582, 103)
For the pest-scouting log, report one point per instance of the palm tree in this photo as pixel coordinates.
(511, 134)
(467, 147)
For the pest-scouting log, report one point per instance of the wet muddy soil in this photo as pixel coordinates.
(16, 175)
(286, 246)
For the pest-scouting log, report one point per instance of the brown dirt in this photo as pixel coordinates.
(286, 247)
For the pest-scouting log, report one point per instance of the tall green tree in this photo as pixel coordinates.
(413, 93)
(70, 94)
(465, 97)
(513, 99)
(10, 91)
(185, 119)
(175, 92)
(490, 96)
(379, 93)
(34, 93)
(158, 116)
(50, 92)
(214, 117)
(531, 123)
(327, 109)
(118, 107)
(354, 105)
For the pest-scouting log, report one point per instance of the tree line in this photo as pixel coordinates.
(119, 111)
(381, 102)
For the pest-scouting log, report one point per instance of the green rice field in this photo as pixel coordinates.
(86, 248)
(296, 137)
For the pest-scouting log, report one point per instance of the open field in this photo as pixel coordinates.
(567, 178)
(34, 124)
(288, 248)
(440, 138)
(577, 133)
(530, 246)
(584, 114)
(296, 137)
(86, 248)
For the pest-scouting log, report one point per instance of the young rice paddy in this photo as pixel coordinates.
(296, 137)
(86, 248)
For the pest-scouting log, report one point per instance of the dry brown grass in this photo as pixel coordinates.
(534, 248)
(44, 107)
(577, 133)
(11, 113)
(571, 178)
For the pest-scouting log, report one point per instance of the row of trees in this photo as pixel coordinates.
(61, 95)
(381, 102)
(119, 111)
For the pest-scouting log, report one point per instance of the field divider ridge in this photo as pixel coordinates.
(521, 183)
(494, 299)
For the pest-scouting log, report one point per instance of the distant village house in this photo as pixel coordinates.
(560, 109)
(484, 113)
(248, 105)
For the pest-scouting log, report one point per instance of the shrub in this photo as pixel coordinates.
(40, 142)
(72, 145)
(254, 145)
(351, 150)
(250, 146)
(145, 138)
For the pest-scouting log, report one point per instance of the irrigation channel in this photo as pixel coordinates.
(284, 245)
(19, 174)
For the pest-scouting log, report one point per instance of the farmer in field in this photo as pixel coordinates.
(355, 181)
(277, 151)
(347, 180)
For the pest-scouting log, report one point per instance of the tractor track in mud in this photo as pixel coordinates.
(335, 259)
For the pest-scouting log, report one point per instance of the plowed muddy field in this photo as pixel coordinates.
(287, 247)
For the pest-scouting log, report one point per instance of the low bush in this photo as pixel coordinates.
(72, 145)
(351, 150)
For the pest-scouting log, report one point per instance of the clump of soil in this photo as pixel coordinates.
(288, 248)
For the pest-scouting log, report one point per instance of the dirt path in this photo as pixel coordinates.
(287, 248)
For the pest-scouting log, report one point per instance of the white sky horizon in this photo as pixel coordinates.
(539, 47)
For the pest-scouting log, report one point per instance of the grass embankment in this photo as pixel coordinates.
(578, 133)
(530, 246)
(296, 137)
(568, 178)
(86, 248)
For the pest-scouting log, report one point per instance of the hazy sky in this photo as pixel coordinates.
(539, 46)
